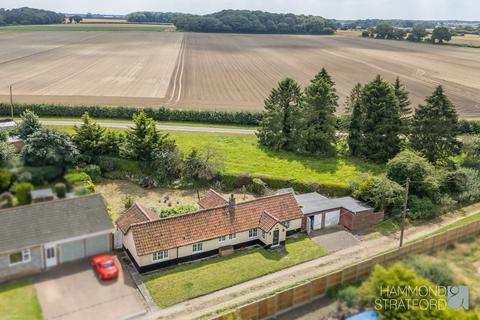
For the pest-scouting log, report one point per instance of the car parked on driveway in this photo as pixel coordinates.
(105, 266)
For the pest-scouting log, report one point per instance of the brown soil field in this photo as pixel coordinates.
(468, 39)
(220, 71)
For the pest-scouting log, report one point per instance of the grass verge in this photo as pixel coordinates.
(19, 301)
(192, 280)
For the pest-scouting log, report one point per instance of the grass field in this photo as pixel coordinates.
(192, 280)
(18, 301)
(216, 71)
(241, 154)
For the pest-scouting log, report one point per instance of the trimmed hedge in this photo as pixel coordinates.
(159, 114)
(469, 126)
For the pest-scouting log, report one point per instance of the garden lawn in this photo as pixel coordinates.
(188, 281)
(18, 301)
(237, 153)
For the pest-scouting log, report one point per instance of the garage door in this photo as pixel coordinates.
(332, 218)
(317, 221)
(96, 245)
(71, 251)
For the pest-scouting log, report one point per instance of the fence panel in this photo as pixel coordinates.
(319, 287)
(249, 312)
(284, 300)
(266, 307)
(301, 294)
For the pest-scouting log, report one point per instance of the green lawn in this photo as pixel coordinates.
(461, 222)
(18, 301)
(238, 153)
(192, 280)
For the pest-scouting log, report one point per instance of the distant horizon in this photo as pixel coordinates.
(426, 10)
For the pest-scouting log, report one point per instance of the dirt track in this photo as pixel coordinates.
(219, 71)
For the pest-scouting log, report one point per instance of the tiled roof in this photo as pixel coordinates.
(211, 223)
(135, 214)
(267, 221)
(211, 199)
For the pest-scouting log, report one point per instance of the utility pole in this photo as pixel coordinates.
(11, 101)
(404, 215)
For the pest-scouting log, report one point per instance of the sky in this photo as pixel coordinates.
(336, 9)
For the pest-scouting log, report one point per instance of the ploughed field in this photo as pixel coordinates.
(219, 71)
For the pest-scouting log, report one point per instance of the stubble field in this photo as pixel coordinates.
(219, 71)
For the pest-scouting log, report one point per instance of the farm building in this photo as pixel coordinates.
(37, 237)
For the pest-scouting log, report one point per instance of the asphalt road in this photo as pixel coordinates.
(160, 127)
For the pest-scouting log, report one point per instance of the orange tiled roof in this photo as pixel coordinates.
(267, 221)
(135, 214)
(172, 232)
(212, 199)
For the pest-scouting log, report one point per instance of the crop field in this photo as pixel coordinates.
(218, 71)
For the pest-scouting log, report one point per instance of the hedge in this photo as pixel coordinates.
(469, 126)
(159, 114)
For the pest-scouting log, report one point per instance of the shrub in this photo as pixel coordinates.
(61, 190)
(421, 208)
(39, 175)
(128, 201)
(182, 209)
(349, 295)
(432, 269)
(257, 186)
(77, 177)
(87, 188)
(93, 171)
(6, 200)
(199, 167)
(243, 179)
(380, 192)
(5, 179)
(22, 192)
(7, 154)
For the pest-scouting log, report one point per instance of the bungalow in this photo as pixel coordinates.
(221, 225)
(37, 237)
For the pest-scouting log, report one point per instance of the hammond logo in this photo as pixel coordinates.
(457, 297)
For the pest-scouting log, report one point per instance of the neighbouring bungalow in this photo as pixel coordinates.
(37, 237)
(321, 212)
(220, 226)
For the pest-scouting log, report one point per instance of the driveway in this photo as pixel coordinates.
(334, 239)
(73, 292)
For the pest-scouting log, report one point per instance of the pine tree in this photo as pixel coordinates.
(29, 124)
(355, 129)
(278, 126)
(324, 75)
(142, 139)
(404, 105)
(435, 128)
(88, 138)
(382, 124)
(317, 130)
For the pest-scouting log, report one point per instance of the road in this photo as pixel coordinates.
(121, 125)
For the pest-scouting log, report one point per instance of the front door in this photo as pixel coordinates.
(276, 237)
(50, 255)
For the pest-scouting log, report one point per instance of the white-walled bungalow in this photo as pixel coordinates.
(220, 226)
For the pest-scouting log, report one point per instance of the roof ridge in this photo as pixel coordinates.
(49, 202)
(142, 210)
(218, 194)
(271, 215)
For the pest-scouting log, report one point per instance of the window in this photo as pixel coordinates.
(287, 224)
(20, 256)
(160, 255)
(50, 253)
(232, 236)
(222, 239)
(263, 234)
(252, 233)
(197, 247)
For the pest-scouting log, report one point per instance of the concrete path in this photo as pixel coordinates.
(160, 127)
(252, 289)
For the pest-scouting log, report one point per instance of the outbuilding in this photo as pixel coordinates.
(37, 237)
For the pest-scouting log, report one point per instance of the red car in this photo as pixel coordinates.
(105, 266)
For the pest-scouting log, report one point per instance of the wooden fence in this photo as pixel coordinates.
(317, 288)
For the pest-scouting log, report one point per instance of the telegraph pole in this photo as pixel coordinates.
(11, 101)
(404, 215)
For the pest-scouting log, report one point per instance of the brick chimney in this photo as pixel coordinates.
(232, 204)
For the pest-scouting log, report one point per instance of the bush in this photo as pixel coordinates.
(421, 208)
(380, 192)
(128, 201)
(61, 190)
(432, 269)
(175, 211)
(22, 192)
(77, 177)
(349, 295)
(5, 179)
(39, 175)
(257, 186)
(93, 171)
(159, 114)
(6, 200)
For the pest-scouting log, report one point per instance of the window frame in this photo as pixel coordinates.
(232, 236)
(222, 239)
(163, 253)
(287, 224)
(25, 255)
(252, 233)
(264, 234)
(197, 247)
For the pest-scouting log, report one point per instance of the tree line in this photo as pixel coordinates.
(27, 15)
(241, 21)
(417, 33)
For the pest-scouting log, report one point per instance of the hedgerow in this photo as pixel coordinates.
(159, 114)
